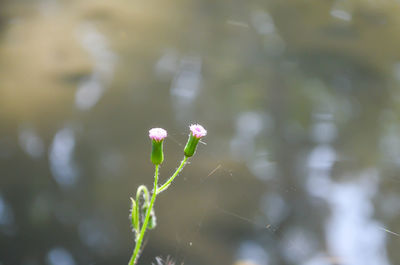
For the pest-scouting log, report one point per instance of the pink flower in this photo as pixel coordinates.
(197, 130)
(157, 134)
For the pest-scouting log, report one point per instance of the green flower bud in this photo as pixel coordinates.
(157, 155)
(196, 132)
(191, 145)
(157, 135)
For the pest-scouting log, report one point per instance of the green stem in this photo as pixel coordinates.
(146, 221)
(165, 186)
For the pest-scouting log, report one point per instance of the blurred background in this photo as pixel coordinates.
(301, 100)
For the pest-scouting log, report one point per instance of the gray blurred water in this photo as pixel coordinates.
(300, 99)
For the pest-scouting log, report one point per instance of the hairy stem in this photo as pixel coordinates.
(143, 229)
(179, 169)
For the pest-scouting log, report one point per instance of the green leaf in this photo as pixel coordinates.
(133, 214)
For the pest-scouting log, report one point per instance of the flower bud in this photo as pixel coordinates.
(196, 133)
(157, 135)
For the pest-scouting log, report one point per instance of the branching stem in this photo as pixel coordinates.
(179, 169)
(140, 231)
(146, 220)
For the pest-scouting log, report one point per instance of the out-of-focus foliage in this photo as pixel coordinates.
(301, 100)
